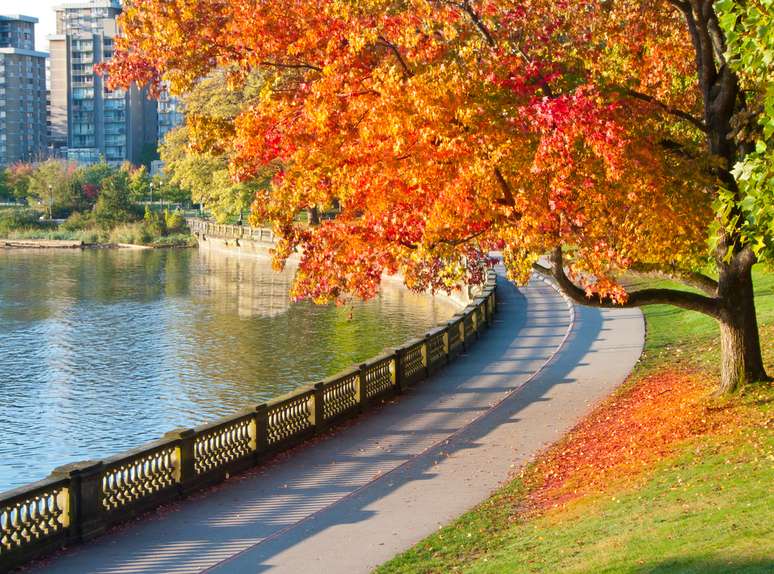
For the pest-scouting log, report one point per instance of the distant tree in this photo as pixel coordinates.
(169, 191)
(89, 180)
(139, 181)
(114, 204)
(205, 176)
(56, 183)
(6, 191)
(148, 154)
(18, 178)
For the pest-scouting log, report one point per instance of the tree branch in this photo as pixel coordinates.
(684, 299)
(670, 110)
(394, 49)
(478, 23)
(705, 49)
(715, 33)
(461, 241)
(292, 66)
(509, 199)
(692, 278)
(484, 31)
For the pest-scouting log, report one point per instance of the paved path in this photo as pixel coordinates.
(375, 488)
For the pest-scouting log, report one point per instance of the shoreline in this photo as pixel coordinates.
(10, 244)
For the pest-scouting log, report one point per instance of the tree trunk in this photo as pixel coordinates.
(740, 348)
(314, 215)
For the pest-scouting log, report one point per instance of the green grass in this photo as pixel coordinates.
(699, 512)
(706, 508)
(679, 336)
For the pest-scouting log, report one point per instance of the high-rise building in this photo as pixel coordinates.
(170, 113)
(23, 130)
(92, 121)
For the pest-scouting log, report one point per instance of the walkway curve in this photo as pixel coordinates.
(376, 487)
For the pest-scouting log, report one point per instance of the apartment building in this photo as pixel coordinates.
(91, 120)
(23, 129)
(170, 112)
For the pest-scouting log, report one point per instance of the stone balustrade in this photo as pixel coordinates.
(203, 228)
(79, 501)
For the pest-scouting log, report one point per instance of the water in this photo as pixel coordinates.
(103, 350)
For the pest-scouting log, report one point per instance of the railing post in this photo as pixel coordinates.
(398, 370)
(426, 355)
(362, 395)
(87, 515)
(261, 430)
(185, 450)
(319, 408)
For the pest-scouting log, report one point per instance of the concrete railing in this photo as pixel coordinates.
(201, 227)
(80, 501)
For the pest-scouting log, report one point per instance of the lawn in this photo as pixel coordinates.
(660, 478)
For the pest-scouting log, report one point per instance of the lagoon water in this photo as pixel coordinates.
(101, 350)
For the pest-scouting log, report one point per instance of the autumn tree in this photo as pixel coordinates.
(603, 134)
(194, 156)
(55, 183)
(17, 180)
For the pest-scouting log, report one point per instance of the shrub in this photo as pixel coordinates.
(133, 233)
(155, 223)
(177, 240)
(174, 221)
(77, 221)
(15, 218)
(89, 235)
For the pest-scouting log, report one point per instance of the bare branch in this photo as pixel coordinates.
(461, 241)
(715, 33)
(505, 187)
(705, 49)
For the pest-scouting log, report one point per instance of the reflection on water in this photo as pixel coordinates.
(103, 350)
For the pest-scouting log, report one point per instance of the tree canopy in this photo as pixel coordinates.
(596, 131)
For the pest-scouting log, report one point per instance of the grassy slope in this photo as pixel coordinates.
(660, 478)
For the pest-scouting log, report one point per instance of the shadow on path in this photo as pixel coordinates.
(375, 487)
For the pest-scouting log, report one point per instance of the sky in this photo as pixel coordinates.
(40, 9)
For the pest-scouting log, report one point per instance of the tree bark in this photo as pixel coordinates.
(314, 215)
(740, 349)
(733, 306)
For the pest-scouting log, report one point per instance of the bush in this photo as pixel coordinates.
(132, 233)
(78, 221)
(155, 223)
(174, 222)
(89, 235)
(177, 240)
(15, 218)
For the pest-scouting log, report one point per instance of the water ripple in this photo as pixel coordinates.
(103, 350)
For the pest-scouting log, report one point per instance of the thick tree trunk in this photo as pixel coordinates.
(741, 359)
(314, 215)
